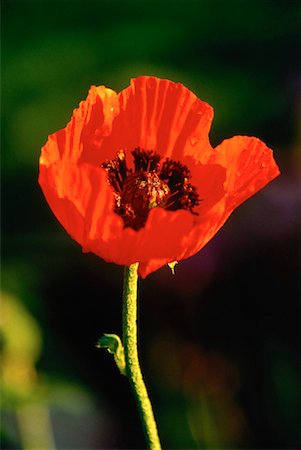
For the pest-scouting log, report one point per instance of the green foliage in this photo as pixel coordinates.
(113, 344)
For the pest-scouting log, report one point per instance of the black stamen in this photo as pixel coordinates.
(117, 171)
(183, 194)
(136, 193)
(145, 160)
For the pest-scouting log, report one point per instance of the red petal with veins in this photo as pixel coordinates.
(157, 115)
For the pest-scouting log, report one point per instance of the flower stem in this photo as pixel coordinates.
(133, 371)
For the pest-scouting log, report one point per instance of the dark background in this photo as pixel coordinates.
(219, 341)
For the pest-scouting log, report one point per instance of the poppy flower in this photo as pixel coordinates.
(133, 177)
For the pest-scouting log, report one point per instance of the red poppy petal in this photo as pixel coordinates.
(162, 237)
(64, 210)
(164, 233)
(209, 182)
(160, 115)
(104, 106)
(80, 197)
(145, 268)
(249, 164)
(90, 124)
(193, 241)
(207, 227)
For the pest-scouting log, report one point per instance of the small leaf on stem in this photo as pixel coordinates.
(113, 344)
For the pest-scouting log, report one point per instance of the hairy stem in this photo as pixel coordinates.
(133, 371)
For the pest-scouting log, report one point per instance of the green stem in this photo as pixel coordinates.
(133, 371)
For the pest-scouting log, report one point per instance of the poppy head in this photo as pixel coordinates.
(133, 177)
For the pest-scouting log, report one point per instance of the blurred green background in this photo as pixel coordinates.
(219, 340)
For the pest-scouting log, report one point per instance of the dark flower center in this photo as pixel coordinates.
(151, 184)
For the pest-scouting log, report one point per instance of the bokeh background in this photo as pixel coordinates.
(219, 341)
